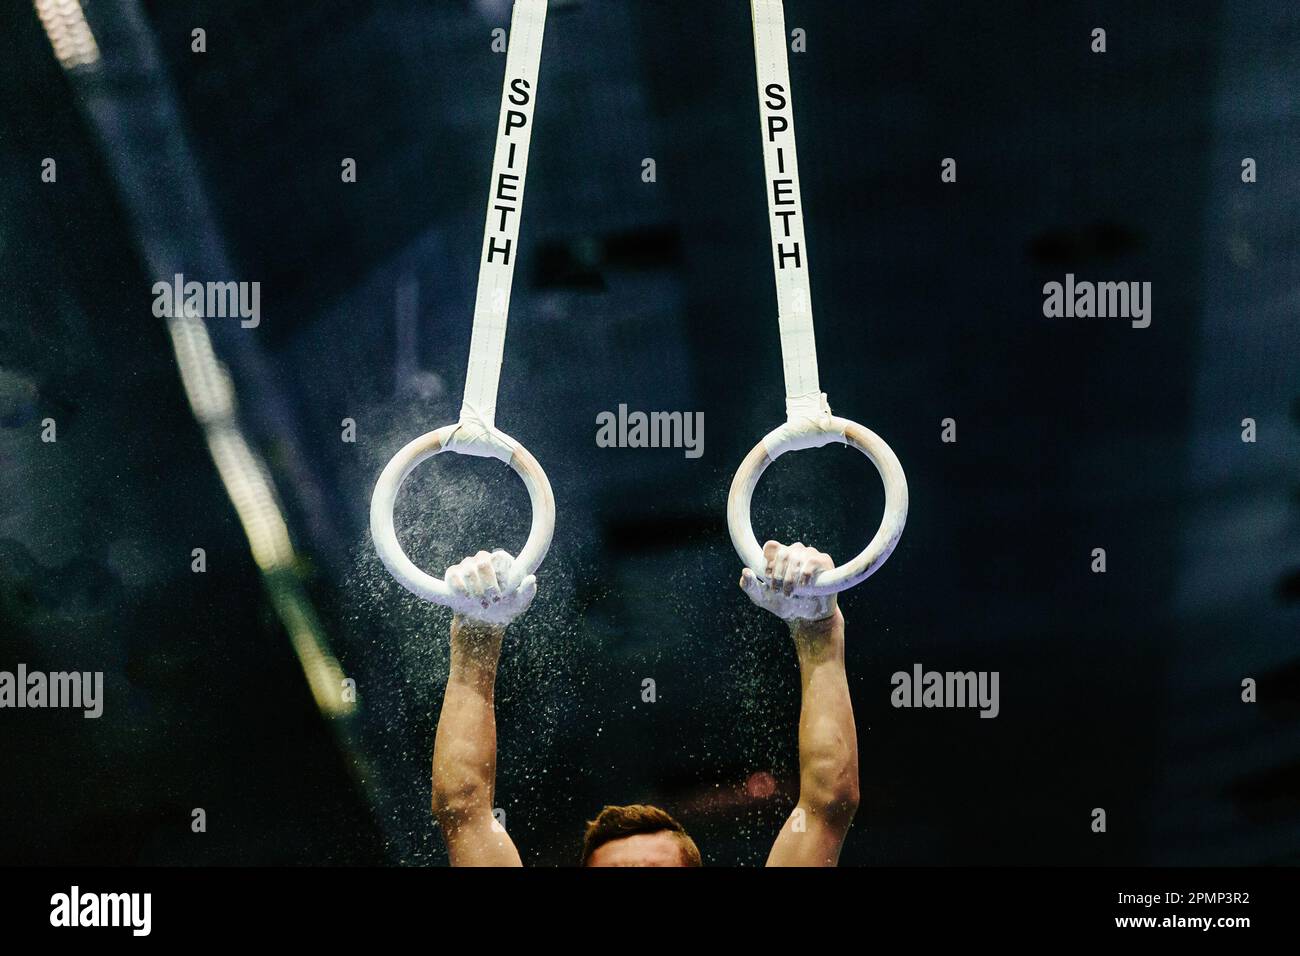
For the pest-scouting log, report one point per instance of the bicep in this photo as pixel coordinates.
(808, 839)
(480, 841)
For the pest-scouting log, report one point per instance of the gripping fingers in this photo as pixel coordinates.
(456, 580)
(806, 569)
(502, 563)
(479, 584)
(787, 569)
(487, 576)
(795, 571)
(781, 572)
(473, 583)
(770, 552)
(793, 566)
(464, 579)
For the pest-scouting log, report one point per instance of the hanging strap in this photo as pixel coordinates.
(807, 413)
(809, 422)
(477, 434)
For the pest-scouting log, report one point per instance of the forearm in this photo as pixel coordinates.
(814, 832)
(465, 748)
(828, 740)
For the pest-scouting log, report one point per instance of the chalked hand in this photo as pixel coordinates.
(479, 590)
(787, 568)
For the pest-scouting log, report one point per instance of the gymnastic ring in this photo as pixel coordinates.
(776, 443)
(385, 497)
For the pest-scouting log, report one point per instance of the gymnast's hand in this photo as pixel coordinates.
(478, 589)
(789, 567)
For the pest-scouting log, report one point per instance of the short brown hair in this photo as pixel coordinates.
(614, 823)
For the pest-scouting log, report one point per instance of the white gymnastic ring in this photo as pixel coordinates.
(873, 555)
(385, 497)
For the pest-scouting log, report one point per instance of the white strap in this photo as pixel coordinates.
(805, 404)
(501, 233)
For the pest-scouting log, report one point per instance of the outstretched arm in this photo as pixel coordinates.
(465, 748)
(828, 751)
(828, 740)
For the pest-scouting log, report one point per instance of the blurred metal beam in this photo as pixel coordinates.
(126, 97)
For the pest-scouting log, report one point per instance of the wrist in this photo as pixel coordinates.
(831, 621)
(824, 632)
(475, 648)
(473, 629)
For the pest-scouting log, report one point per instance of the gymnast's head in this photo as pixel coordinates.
(637, 835)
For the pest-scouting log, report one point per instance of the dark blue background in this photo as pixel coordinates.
(1118, 690)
